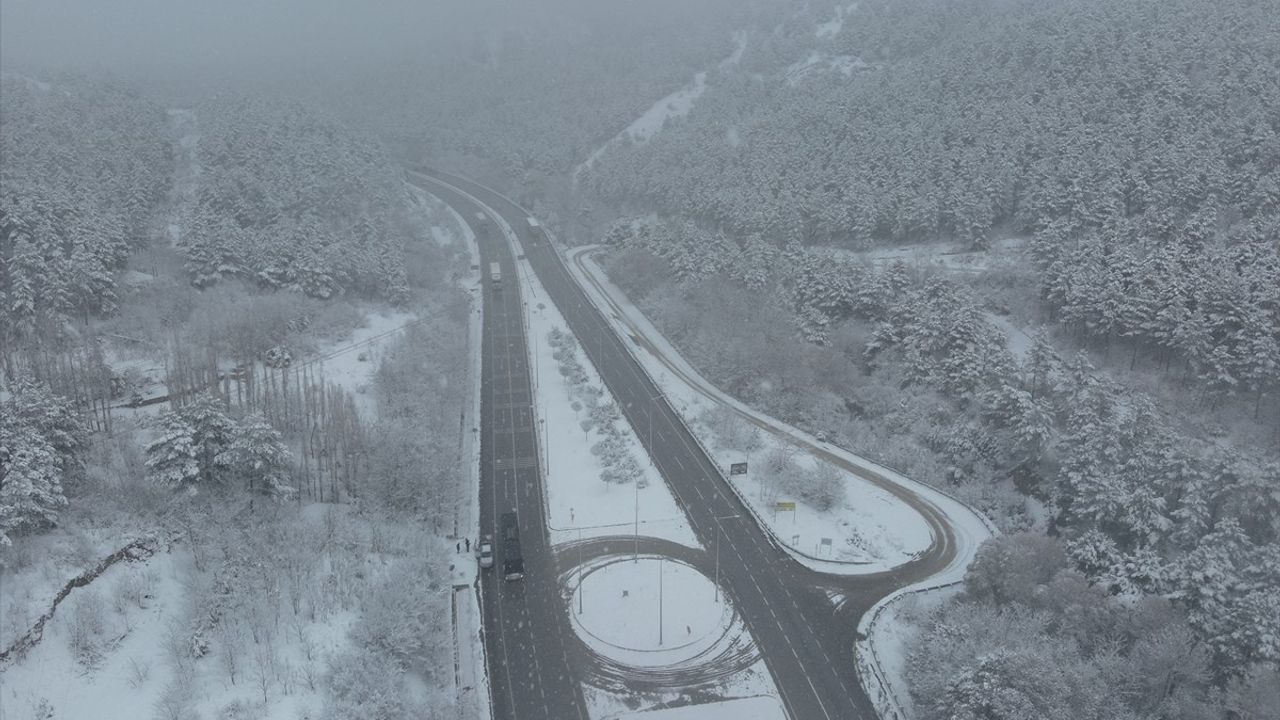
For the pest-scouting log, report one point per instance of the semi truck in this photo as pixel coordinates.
(512, 561)
(495, 274)
(535, 228)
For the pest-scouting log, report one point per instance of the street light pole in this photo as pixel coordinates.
(636, 555)
(660, 561)
(580, 588)
(718, 531)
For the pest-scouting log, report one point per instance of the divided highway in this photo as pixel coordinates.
(806, 641)
(526, 623)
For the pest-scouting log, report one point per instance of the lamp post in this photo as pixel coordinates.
(580, 588)
(718, 531)
(660, 563)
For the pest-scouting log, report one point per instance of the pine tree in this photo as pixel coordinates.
(30, 482)
(257, 454)
(172, 456)
(210, 432)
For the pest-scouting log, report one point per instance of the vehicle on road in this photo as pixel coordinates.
(535, 228)
(512, 561)
(495, 274)
(486, 555)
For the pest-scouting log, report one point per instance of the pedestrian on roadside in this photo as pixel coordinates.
(458, 548)
(468, 544)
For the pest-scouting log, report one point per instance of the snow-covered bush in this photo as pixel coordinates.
(87, 623)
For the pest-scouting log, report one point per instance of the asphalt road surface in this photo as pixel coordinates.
(792, 622)
(526, 626)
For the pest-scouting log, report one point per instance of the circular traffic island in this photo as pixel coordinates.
(648, 611)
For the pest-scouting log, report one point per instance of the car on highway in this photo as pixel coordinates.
(486, 555)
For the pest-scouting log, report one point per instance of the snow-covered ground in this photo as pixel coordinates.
(351, 362)
(871, 531)
(620, 604)
(105, 655)
(751, 708)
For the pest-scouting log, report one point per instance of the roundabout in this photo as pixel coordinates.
(648, 611)
(648, 616)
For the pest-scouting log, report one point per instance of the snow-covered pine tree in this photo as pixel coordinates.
(257, 454)
(171, 456)
(30, 480)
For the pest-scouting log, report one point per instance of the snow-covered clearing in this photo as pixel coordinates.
(870, 531)
(351, 363)
(1019, 342)
(942, 255)
(818, 62)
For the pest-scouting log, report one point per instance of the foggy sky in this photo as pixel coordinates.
(202, 38)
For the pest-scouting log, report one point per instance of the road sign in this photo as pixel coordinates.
(784, 505)
(738, 469)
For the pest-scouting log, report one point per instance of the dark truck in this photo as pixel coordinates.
(512, 562)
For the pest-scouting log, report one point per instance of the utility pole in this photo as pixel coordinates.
(636, 555)
(580, 588)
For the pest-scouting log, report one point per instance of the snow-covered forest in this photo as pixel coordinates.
(231, 344)
(1081, 333)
